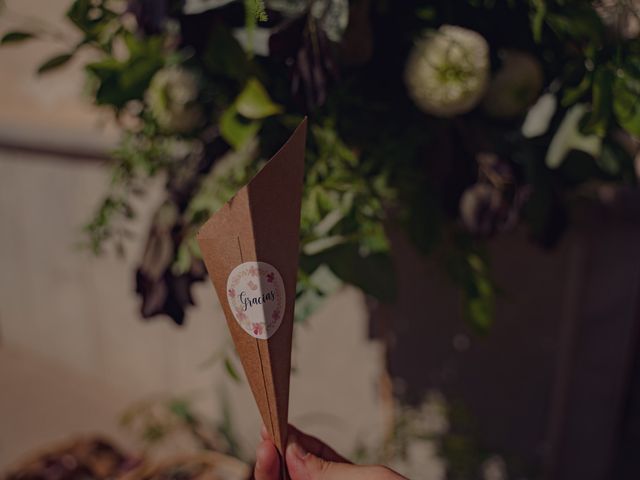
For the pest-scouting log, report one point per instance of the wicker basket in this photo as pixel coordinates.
(201, 466)
(84, 458)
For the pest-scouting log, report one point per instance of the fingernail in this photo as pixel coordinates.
(297, 451)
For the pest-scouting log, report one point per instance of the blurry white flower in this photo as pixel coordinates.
(539, 116)
(255, 40)
(193, 7)
(622, 17)
(171, 98)
(515, 86)
(432, 416)
(333, 16)
(568, 137)
(494, 468)
(422, 460)
(448, 70)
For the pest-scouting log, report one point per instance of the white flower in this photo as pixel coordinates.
(333, 16)
(172, 97)
(515, 86)
(448, 70)
(193, 7)
(622, 17)
(539, 116)
(494, 468)
(568, 137)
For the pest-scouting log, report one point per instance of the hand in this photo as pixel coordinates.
(310, 459)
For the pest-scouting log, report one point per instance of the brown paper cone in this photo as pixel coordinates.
(261, 224)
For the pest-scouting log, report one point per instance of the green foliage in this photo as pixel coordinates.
(313, 289)
(118, 81)
(99, 24)
(103, 225)
(254, 101)
(374, 160)
(138, 158)
(241, 121)
(598, 120)
(626, 90)
(255, 9)
(538, 14)
(342, 217)
(224, 56)
(231, 370)
(469, 269)
(237, 130)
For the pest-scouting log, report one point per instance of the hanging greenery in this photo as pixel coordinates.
(453, 120)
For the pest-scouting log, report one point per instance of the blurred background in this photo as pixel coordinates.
(469, 285)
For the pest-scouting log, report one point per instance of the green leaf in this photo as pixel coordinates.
(254, 101)
(231, 370)
(626, 103)
(374, 273)
(578, 23)
(54, 62)
(121, 81)
(575, 93)
(15, 37)
(181, 409)
(608, 160)
(224, 55)
(470, 271)
(537, 19)
(313, 291)
(479, 296)
(235, 129)
(617, 162)
(597, 120)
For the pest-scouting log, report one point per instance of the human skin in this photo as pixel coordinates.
(310, 459)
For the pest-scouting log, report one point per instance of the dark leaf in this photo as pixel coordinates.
(224, 56)
(54, 62)
(574, 93)
(15, 37)
(374, 273)
(597, 121)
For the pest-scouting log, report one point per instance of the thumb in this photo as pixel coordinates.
(303, 465)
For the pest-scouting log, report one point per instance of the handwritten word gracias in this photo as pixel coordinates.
(248, 301)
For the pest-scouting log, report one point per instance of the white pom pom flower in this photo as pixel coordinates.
(171, 98)
(448, 71)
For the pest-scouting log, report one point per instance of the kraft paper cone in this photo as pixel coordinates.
(250, 249)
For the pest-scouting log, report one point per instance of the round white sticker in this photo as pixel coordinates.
(255, 292)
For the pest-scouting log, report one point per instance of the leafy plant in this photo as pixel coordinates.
(451, 120)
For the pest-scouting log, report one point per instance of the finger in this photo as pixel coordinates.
(306, 466)
(264, 434)
(315, 446)
(267, 462)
